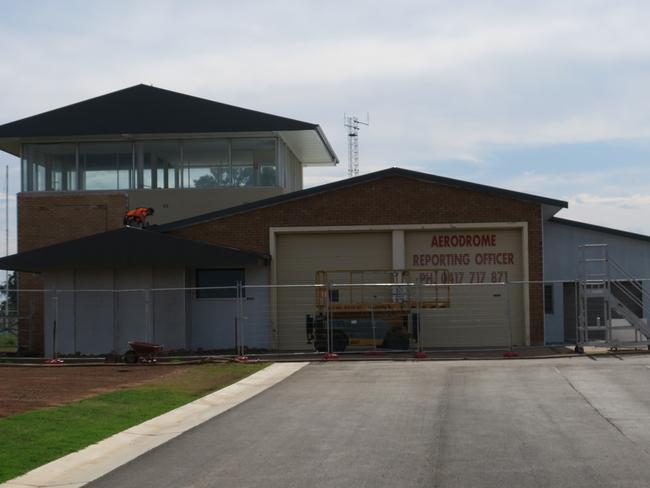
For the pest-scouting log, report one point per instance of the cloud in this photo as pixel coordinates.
(449, 85)
(623, 201)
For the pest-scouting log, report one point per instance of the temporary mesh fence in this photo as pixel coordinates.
(337, 317)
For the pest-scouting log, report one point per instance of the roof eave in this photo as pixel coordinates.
(328, 146)
(311, 147)
(599, 228)
(83, 253)
(10, 145)
(267, 202)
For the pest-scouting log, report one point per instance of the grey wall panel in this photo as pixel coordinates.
(561, 251)
(134, 321)
(169, 308)
(66, 340)
(94, 311)
(213, 319)
(561, 262)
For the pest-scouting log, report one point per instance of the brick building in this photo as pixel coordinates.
(226, 184)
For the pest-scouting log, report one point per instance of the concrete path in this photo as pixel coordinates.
(537, 423)
(79, 468)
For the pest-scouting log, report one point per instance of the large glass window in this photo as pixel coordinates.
(214, 278)
(51, 167)
(196, 163)
(206, 163)
(106, 165)
(159, 164)
(253, 162)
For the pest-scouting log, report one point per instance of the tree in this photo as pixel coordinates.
(241, 176)
(9, 305)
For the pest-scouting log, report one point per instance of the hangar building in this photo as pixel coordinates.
(226, 184)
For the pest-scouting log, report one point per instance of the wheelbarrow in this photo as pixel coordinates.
(142, 351)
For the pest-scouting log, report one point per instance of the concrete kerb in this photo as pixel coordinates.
(89, 464)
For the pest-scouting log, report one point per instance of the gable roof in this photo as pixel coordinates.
(128, 247)
(598, 228)
(554, 205)
(144, 109)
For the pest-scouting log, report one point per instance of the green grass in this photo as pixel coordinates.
(8, 341)
(34, 438)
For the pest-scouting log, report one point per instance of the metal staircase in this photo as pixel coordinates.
(607, 295)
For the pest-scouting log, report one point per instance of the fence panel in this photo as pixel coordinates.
(277, 318)
(476, 316)
(354, 317)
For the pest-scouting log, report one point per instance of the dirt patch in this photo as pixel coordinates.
(28, 388)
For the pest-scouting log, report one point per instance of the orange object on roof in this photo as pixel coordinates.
(137, 216)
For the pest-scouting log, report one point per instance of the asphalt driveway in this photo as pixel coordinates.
(569, 422)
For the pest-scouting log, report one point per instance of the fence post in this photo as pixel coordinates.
(372, 324)
(578, 315)
(147, 316)
(152, 315)
(328, 322)
(55, 339)
(418, 289)
(509, 313)
(239, 321)
(418, 310)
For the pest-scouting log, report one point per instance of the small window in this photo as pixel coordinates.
(211, 278)
(548, 299)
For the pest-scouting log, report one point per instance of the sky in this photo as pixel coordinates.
(545, 97)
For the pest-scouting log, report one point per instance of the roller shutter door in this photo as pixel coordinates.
(481, 312)
(300, 256)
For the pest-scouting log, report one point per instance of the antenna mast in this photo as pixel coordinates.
(6, 317)
(352, 123)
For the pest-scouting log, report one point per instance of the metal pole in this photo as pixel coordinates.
(55, 346)
(237, 291)
(608, 337)
(578, 314)
(147, 315)
(6, 321)
(240, 320)
(327, 320)
(418, 293)
(372, 323)
(7, 232)
(509, 314)
(236, 333)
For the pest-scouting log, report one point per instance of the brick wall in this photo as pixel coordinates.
(389, 200)
(49, 218)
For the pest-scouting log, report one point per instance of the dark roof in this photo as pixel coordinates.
(144, 109)
(357, 181)
(598, 228)
(128, 247)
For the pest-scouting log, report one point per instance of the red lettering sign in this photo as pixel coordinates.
(464, 240)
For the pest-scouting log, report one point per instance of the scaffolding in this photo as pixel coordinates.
(610, 302)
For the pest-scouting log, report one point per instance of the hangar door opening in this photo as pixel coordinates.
(300, 256)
